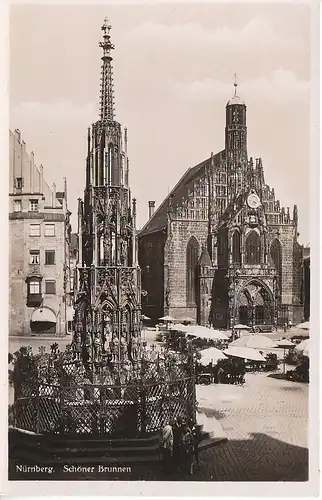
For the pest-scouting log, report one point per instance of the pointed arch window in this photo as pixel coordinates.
(110, 164)
(191, 270)
(253, 248)
(276, 259)
(236, 248)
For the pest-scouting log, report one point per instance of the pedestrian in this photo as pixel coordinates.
(177, 433)
(220, 373)
(197, 438)
(166, 445)
(187, 449)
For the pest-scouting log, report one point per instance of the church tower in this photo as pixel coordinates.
(236, 143)
(108, 307)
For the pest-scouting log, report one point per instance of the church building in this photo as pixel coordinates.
(220, 248)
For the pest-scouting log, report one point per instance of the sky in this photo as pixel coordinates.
(174, 69)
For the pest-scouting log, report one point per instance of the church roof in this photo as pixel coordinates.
(232, 209)
(158, 221)
(205, 258)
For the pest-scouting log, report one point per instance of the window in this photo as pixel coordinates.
(49, 229)
(33, 205)
(34, 230)
(34, 297)
(50, 257)
(34, 288)
(253, 248)
(17, 206)
(34, 257)
(191, 270)
(50, 287)
(19, 182)
(236, 248)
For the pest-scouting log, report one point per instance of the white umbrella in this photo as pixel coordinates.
(304, 347)
(167, 319)
(285, 344)
(254, 341)
(245, 353)
(211, 355)
(205, 333)
(241, 327)
(304, 326)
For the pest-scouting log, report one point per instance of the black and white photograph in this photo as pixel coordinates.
(161, 300)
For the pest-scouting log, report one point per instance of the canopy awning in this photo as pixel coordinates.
(43, 315)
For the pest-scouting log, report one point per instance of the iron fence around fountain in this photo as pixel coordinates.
(63, 397)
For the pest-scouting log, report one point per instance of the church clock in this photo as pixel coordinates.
(253, 200)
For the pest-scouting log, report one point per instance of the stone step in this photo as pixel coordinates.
(211, 426)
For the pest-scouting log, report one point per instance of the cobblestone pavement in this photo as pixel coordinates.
(266, 422)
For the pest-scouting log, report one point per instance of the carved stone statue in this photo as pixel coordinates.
(97, 346)
(77, 344)
(88, 343)
(116, 347)
(123, 347)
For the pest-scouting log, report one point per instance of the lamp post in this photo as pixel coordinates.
(233, 274)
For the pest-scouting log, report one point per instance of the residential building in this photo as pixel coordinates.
(39, 227)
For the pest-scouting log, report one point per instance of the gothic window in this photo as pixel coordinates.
(276, 258)
(110, 164)
(253, 248)
(236, 248)
(191, 269)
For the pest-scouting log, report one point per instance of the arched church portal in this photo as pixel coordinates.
(255, 305)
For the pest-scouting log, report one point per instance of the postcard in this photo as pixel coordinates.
(163, 216)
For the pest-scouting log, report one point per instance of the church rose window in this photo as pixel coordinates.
(236, 248)
(191, 269)
(253, 248)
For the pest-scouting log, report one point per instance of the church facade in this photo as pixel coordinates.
(220, 248)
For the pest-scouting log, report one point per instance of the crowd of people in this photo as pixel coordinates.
(179, 447)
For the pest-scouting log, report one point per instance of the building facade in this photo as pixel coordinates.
(39, 235)
(306, 282)
(108, 287)
(221, 248)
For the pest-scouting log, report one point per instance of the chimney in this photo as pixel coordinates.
(151, 208)
(54, 195)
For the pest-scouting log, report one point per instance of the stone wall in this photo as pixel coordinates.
(175, 260)
(292, 255)
(20, 268)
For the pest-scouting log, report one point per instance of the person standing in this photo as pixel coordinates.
(177, 434)
(167, 447)
(187, 449)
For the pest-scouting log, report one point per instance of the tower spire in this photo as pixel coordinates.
(235, 84)
(107, 87)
